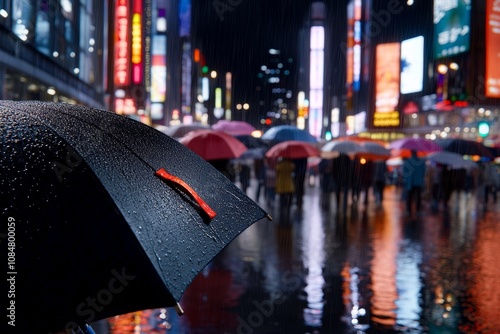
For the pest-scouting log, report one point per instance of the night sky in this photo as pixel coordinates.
(238, 39)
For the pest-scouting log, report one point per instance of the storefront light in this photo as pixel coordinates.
(4, 13)
(480, 110)
(414, 116)
(466, 130)
(457, 129)
(443, 69)
(487, 113)
(72, 55)
(444, 134)
(454, 66)
(51, 91)
(447, 129)
(55, 54)
(76, 70)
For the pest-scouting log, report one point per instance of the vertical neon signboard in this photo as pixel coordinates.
(137, 42)
(316, 70)
(122, 43)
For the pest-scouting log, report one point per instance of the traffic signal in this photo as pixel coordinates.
(483, 129)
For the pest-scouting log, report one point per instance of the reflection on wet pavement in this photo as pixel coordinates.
(369, 270)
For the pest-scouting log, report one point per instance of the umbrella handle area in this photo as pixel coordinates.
(163, 174)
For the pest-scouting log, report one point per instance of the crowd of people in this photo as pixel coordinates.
(352, 179)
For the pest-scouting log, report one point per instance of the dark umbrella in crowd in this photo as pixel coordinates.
(106, 215)
(281, 133)
(465, 147)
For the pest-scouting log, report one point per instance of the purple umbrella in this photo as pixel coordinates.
(234, 128)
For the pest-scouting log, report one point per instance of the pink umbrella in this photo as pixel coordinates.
(213, 145)
(234, 128)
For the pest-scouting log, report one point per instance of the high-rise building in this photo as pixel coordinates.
(53, 51)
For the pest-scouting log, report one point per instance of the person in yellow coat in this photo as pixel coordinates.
(285, 187)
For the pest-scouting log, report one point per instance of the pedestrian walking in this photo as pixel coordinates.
(361, 179)
(270, 179)
(414, 169)
(341, 171)
(325, 171)
(285, 186)
(260, 174)
(245, 173)
(379, 181)
(299, 177)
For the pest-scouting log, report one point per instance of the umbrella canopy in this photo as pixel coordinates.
(281, 133)
(453, 160)
(403, 147)
(374, 151)
(213, 145)
(234, 128)
(110, 216)
(180, 130)
(293, 149)
(335, 147)
(465, 147)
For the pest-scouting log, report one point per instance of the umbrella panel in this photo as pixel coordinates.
(213, 145)
(292, 150)
(281, 133)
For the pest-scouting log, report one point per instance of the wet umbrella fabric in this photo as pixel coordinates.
(293, 149)
(234, 128)
(98, 232)
(213, 145)
(281, 133)
(453, 160)
(465, 147)
(374, 151)
(334, 148)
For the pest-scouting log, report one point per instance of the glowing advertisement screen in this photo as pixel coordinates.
(451, 27)
(492, 49)
(412, 65)
(387, 75)
(158, 69)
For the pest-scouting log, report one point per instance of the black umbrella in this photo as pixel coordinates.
(464, 147)
(95, 228)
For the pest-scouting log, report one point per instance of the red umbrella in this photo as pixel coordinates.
(293, 149)
(235, 128)
(213, 145)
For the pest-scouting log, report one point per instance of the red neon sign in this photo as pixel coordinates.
(122, 65)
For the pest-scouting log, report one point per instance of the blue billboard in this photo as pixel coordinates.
(451, 27)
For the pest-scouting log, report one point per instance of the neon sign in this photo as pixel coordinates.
(122, 77)
(137, 41)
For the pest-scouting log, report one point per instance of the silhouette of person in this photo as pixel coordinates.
(285, 186)
(414, 169)
(341, 172)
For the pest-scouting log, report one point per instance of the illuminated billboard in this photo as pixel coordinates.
(122, 44)
(387, 75)
(412, 65)
(316, 73)
(492, 42)
(158, 68)
(451, 27)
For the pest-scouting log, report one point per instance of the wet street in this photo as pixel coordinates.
(368, 270)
